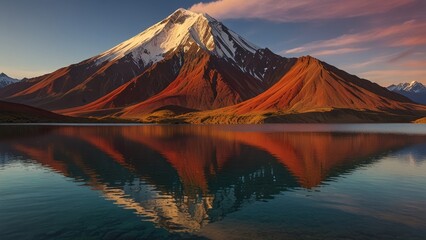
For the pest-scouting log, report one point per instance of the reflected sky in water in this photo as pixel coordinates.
(213, 182)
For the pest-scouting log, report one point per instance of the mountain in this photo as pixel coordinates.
(190, 67)
(19, 113)
(309, 91)
(187, 59)
(6, 80)
(415, 91)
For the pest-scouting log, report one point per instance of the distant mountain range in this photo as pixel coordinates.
(414, 90)
(191, 68)
(6, 80)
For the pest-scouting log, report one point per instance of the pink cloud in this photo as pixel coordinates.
(410, 40)
(396, 59)
(393, 68)
(369, 62)
(402, 55)
(296, 50)
(338, 51)
(295, 10)
(386, 77)
(414, 63)
(409, 33)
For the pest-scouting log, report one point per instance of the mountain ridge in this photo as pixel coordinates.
(5, 80)
(414, 90)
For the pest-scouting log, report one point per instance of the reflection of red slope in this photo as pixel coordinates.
(48, 159)
(44, 156)
(196, 152)
(311, 157)
(158, 207)
(313, 85)
(192, 156)
(97, 141)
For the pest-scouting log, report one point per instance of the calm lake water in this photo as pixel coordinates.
(213, 182)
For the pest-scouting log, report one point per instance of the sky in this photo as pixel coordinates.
(382, 40)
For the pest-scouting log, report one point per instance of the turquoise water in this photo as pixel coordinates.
(361, 181)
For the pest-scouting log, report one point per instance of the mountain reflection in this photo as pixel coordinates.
(182, 177)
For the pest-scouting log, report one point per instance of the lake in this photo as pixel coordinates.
(294, 181)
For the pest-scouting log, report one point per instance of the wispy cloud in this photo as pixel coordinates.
(369, 62)
(386, 77)
(403, 66)
(296, 50)
(414, 64)
(399, 59)
(401, 55)
(407, 34)
(338, 51)
(296, 10)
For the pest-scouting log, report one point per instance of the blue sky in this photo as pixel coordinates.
(382, 40)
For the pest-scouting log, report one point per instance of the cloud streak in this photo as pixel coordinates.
(395, 76)
(296, 10)
(404, 66)
(399, 59)
(408, 34)
(338, 51)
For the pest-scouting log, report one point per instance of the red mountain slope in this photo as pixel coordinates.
(203, 83)
(312, 85)
(141, 87)
(193, 80)
(71, 86)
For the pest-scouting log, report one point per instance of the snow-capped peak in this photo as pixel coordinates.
(413, 86)
(179, 31)
(6, 80)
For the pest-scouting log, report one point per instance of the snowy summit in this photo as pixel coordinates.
(6, 80)
(179, 31)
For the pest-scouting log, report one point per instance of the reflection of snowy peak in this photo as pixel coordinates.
(179, 32)
(6, 80)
